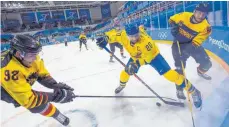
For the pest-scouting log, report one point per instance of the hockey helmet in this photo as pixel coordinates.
(203, 7)
(25, 44)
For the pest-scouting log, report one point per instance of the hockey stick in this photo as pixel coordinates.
(190, 103)
(135, 75)
(89, 96)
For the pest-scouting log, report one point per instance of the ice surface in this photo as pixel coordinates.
(90, 73)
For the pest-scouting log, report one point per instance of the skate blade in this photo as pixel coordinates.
(206, 78)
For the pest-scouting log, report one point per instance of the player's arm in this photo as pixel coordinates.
(107, 36)
(202, 36)
(80, 36)
(30, 98)
(176, 18)
(25, 96)
(47, 80)
(173, 22)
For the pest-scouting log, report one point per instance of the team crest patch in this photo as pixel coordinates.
(32, 78)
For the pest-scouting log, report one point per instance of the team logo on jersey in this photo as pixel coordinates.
(32, 78)
(181, 23)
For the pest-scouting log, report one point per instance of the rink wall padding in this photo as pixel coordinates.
(217, 45)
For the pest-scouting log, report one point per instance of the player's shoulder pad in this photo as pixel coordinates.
(5, 58)
(185, 14)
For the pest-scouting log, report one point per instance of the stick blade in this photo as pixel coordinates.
(178, 104)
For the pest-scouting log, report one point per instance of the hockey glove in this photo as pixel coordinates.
(62, 85)
(101, 42)
(174, 28)
(131, 68)
(63, 96)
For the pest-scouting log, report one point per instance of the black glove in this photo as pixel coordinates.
(174, 28)
(131, 68)
(101, 42)
(63, 96)
(62, 85)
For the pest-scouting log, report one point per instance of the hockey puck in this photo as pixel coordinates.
(158, 104)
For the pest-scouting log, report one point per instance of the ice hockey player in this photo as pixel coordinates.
(21, 67)
(144, 51)
(66, 42)
(191, 30)
(92, 37)
(114, 38)
(83, 40)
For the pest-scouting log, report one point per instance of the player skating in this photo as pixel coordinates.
(114, 37)
(190, 30)
(83, 40)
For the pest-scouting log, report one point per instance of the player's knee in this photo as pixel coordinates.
(47, 109)
(124, 76)
(173, 76)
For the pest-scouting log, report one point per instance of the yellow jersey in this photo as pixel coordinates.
(145, 50)
(82, 36)
(114, 36)
(191, 32)
(17, 79)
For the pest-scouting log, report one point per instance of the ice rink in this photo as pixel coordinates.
(90, 73)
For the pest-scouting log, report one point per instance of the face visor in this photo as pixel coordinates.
(29, 57)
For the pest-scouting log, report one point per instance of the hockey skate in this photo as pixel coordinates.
(64, 120)
(197, 99)
(119, 89)
(203, 75)
(180, 93)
